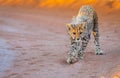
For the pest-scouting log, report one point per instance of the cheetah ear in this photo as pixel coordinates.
(69, 26)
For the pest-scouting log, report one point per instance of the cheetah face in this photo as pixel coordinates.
(76, 30)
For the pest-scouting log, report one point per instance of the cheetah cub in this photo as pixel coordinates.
(80, 30)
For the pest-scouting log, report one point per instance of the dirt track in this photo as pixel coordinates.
(37, 46)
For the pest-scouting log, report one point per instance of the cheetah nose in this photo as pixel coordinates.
(77, 38)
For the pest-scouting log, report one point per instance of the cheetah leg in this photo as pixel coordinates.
(83, 47)
(96, 36)
(72, 55)
(98, 51)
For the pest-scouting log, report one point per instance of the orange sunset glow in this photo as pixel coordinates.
(108, 4)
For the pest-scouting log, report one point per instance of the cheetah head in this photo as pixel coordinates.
(75, 30)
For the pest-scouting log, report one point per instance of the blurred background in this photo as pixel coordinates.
(34, 42)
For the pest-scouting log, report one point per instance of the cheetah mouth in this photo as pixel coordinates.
(77, 41)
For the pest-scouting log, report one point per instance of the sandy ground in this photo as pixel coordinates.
(34, 44)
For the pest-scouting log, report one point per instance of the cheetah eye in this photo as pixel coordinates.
(84, 27)
(74, 33)
(68, 28)
(80, 32)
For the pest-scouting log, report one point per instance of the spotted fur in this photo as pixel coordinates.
(80, 29)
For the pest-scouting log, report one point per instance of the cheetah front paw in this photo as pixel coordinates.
(99, 52)
(71, 60)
